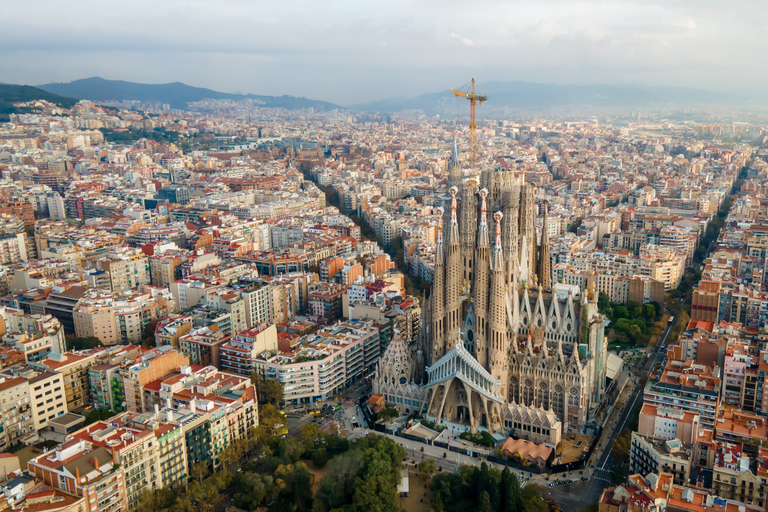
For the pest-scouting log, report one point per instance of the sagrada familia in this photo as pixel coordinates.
(496, 333)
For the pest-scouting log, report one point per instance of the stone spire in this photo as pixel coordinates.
(468, 228)
(437, 300)
(454, 167)
(482, 271)
(523, 270)
(497, 319)
(453, 278)
(544, 267)
(528, 223)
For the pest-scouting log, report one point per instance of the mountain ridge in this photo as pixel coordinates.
(532, 95)
(176, 94)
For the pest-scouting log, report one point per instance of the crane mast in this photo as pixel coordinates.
(473, 101)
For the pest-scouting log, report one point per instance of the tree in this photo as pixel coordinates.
(485, 502)
(337, 485)
(253, 490)
(426, 468)
(310, 435)
(293, 480)
(269, 391)
(320, 458)
(271, 421)
(86, 343)
(98, 415)
(199, 471)
(618, 475)
(621, 446)
(388, 414)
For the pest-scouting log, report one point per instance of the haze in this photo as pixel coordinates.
(355, 51)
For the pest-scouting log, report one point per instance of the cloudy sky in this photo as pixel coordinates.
(353, 51)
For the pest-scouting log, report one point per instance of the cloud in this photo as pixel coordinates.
(464, 40)
(348, 51)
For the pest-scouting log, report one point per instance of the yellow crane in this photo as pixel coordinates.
(473, 100)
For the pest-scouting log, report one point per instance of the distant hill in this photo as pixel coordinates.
(176, 94)
(10, 94)
(534, 96)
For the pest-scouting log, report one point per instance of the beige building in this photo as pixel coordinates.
(150, 366)
(114, 318)
(162, 269)
(48, 400)
(224, 299)
(16, 411)
(128, 268)
(73, 367)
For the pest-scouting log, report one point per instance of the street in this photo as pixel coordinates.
(580, 494)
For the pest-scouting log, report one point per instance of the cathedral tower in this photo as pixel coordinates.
(497, 318)
(437, 299)
(453, 277)
(454, 168)
(544, 268)
(528, 223)
(468, 229)
(482, 271)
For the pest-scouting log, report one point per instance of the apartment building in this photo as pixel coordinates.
(172, 327)
(78, 468)
(135, 450)
(16, 409)
(689, 387)
(237, 355)
(664, 423)
(34, 335)
(189, 292)
(164, 268)
(115, 317)
(73, 366)
(326, 301)
(653, 491)
(128, 268)
(224, 299)
(202, 346)
(226, 402)
(734, 475)
(257, 296)
(145, 368)
(13, 248)
(327, 362)
(657, 454)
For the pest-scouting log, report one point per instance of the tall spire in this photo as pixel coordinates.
(523, 269)
(482, 233)
(498, 252)
(439, 248)
(437, 299)
(482, 283)
(454, 167)
(453, 234)
(544, 267)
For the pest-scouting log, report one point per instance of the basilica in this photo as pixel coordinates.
(497, 336)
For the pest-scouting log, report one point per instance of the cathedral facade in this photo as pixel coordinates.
(496, 332)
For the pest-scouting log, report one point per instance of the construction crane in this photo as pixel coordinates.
(473, 100)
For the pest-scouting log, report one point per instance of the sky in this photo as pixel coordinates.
(349, 52)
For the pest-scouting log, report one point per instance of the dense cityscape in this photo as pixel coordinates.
(235, 307)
